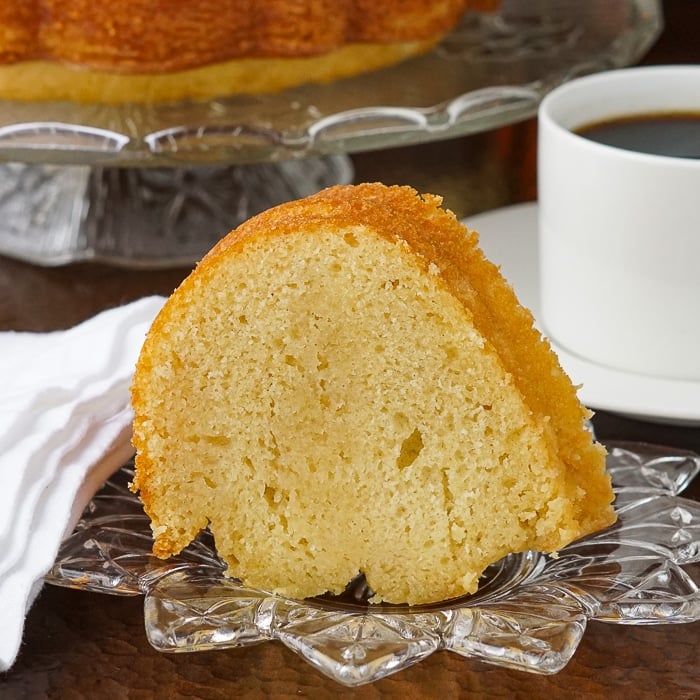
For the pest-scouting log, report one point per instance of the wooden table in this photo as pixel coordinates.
(83, 645)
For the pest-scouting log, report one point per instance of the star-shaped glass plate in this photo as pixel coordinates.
(529, 613)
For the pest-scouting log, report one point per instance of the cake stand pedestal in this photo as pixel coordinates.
(144, 217)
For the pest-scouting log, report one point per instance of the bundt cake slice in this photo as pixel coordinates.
(345, 384)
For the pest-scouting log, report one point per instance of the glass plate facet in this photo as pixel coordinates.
(491, 71)
(530, 612)
(144, 217)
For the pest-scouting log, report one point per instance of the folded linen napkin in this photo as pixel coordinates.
(65, 426)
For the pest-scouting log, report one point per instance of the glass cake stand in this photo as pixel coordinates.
(155, 184)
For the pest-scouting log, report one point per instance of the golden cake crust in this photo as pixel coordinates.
(156, 36)
(135, 50)
(42, 80)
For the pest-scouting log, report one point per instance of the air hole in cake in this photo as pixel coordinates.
(350, 239)
(274, 448)
(276, 500)
(401, 422)
(219, 440)
(291, 361)
(447, 492)
(410, 449)
(451, 352)
(175, 361)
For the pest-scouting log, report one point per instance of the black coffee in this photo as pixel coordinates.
(665, 134)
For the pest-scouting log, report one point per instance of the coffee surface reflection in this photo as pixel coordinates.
(674, 134)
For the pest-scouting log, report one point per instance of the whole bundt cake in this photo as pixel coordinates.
(136, 50)
(345, 384)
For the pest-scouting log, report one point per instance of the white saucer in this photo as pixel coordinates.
(509, 238)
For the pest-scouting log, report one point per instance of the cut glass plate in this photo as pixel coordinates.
(529, 613)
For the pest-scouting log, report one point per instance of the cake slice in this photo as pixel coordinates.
(345, 384)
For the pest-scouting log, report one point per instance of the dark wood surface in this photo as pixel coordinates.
(83, 645)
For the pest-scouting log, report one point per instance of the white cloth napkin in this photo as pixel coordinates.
(65, 426)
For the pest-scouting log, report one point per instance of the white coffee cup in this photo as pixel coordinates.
(619, 230)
